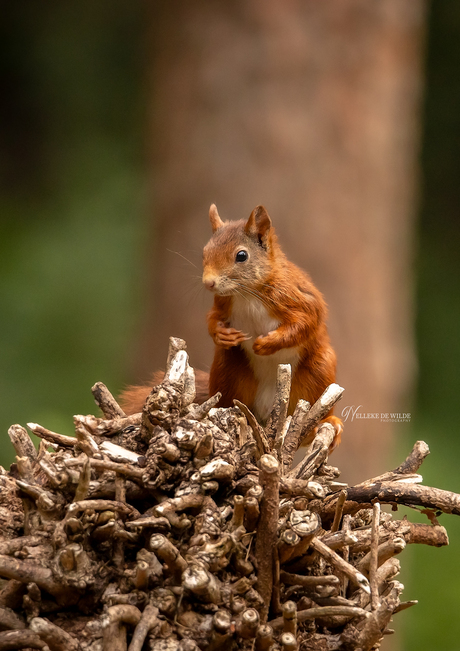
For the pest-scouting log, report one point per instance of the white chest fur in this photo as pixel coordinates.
(250, 316)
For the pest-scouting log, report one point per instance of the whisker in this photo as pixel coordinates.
(182, 256)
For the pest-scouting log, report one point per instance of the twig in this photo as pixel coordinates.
(346, 550)
(320, 612)
(378, 620)
(21, 640)
(321, 408)
(114, 630)
(267, 529)
(338, 562)
(294, 434)
(383, 552)
(53, 437)
(22, 442)
(290, 617)
(338, 511)
(263, 446)
(55, 637)
(374, 558)
(106, 402)
(315, 454)
(149, 619)
(248, 623)
(277, 416)
(309, 581)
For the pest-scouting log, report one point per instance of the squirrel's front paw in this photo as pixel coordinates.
(264, 345)
(228, 337)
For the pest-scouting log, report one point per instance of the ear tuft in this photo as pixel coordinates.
(258, 225)
(214, 218)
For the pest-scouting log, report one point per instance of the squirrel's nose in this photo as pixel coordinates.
(209, 283)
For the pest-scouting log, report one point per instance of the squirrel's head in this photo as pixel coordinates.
(239, 255)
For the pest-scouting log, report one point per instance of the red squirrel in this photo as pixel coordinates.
(266, 312)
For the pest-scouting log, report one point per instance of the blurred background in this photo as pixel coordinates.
(121, 122)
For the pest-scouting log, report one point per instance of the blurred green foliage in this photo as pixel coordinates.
(433, 575)
(71, 204)
(72, 200)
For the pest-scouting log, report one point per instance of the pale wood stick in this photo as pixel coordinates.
(356, 577)
(53, 437)
(102, 427)
(22, 442)
(386, 550)
(373, 557)
(278, 413)
(175, 345)
(106, 402)
(322, 407)
(315, 454)
(54, 636)
(148, 620)
(294, 434)
(263, 446)
(114, 631)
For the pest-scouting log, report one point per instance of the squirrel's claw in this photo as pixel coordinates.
(229, 337)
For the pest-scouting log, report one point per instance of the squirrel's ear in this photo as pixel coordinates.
(214, 218)
(259, 225)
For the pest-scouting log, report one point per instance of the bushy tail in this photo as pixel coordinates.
(132, 399)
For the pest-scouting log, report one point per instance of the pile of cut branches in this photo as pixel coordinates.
(184, 527)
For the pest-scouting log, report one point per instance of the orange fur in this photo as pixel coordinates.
(132, 399)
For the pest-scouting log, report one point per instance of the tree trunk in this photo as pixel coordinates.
(311, 108)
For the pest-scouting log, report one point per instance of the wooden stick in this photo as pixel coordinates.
(267, 529)
(315, 454)
(374, 558)
(322, 407)
(398, 492)
(386, 550)
(21, 640)
(114, 631)
(202, 582)
(290, 617)
(338, 511)
(263, 446)
(22, 442)
(106, 402)
(356, 577)
(53, 437)
(102, 427)
(55, 637)
(345, 551)
(277, 416)
(129, 471)
(309, 581)
(175, 345)
(376, 623)
(322, 611)
(294, 434)
(149, 619)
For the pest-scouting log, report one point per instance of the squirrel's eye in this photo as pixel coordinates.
(241, 256)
